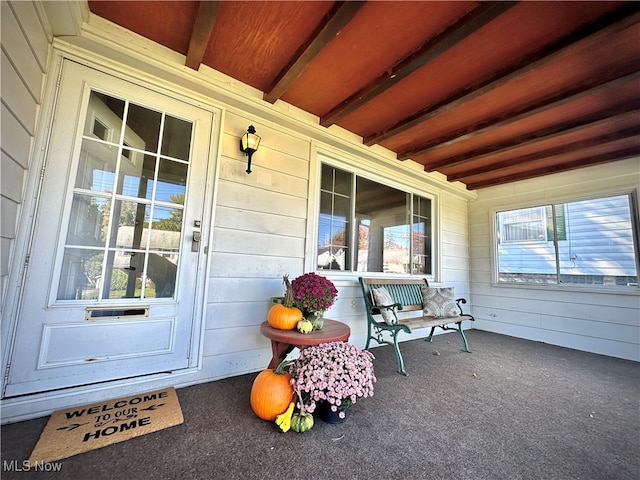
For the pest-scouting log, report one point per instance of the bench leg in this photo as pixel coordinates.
(398, 354)
(366, 347)
(465, 346)
(430, 337)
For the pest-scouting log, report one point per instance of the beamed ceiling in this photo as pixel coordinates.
(485, 93)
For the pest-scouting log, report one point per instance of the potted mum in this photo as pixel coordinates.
(331, 377)
(313, 294)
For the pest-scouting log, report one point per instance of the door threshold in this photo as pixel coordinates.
(35, 405)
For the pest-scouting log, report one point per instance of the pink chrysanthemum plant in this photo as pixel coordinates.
(337, 373)
(313, 293)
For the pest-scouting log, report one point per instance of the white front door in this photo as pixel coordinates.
(115, 261)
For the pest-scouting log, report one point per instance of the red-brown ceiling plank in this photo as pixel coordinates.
(543, 165)
(537, 136)
(462, 175)
(517, 68)
(478, 17)
(255, 40)
(166, 22)
(610, 79)
(202, 28)
(501, 178)
(331, 25)
(609, 23)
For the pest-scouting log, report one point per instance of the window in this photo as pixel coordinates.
(532, 224)
(124, 229)
(585, 242)
(366, 226)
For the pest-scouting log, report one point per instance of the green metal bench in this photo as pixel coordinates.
(407, 296)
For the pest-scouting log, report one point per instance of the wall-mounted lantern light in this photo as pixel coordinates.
(249, 144)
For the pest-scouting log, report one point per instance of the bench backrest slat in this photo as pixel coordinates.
(407, 292)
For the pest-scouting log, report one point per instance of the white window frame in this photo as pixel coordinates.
(377, 173)
(635, 224)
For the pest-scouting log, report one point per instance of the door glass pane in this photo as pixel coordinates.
(161, 275)
(133, 225)
(81, 274)
(172, 181)
(135, 178)
(88, 220)
(96, 166)
(121, 279)
(143, 128)
(115, 169)
(175, 138)
(104, 117)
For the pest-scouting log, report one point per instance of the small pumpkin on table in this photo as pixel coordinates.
(284, 316)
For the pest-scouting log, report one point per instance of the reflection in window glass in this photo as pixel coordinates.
(175, 133)
(132, 228)
(87, 222)
(587, 242)
(126, 192)
(172, 181)
(136, 179)
(96, 166)
(334, 250)
(81, 274)
(386, 237)
(421, 236)
(143, 128)
(383, 211)
(104, 117)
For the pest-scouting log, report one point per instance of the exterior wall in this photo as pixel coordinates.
(593, 320)
(25, 52)
(262, 230)
(262, 225)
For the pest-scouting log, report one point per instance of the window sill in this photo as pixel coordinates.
(572, 288)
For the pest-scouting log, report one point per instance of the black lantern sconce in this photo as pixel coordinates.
(249, 144)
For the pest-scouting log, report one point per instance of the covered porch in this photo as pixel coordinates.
(477, 109)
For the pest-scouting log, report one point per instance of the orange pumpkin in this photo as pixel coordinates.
(284, 316)
(271, 392)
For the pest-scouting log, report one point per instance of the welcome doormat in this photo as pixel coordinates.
(80, 429)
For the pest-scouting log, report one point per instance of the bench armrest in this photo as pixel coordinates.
(459, 301)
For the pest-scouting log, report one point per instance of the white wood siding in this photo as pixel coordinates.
(25, 50)
(260, 233)
(595, 320)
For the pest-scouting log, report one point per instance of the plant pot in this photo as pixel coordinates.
(316, 319)
(326, 414)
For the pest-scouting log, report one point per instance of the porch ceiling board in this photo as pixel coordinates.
(484, 92)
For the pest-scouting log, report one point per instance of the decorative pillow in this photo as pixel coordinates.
(381, 296)
(439, 302)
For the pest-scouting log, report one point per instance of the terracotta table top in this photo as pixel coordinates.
(283, 341)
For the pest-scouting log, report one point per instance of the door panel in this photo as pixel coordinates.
(109, 289)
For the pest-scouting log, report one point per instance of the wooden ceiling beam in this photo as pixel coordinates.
(201, 33)
(500, 178)
(611, 22)
(332, 23)
(542, 134)
(610, 79)
(547, 153)
(475, 19)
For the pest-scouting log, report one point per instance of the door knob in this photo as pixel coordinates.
(195, 244)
